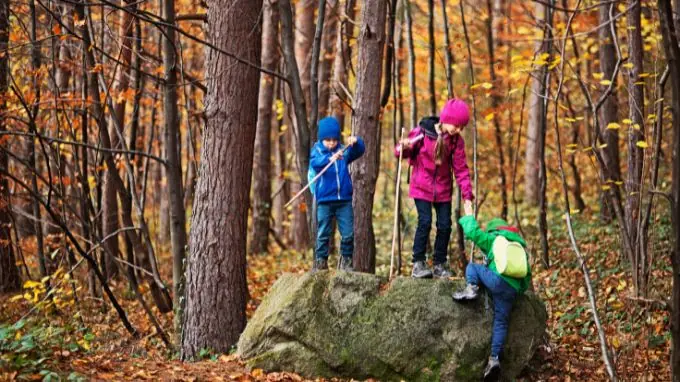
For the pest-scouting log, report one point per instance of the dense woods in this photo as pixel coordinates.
(148, 151)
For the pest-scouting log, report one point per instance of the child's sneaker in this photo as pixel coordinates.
(346, 264)
(421, 271)
(441, 271)
(493, 370)
(320, 265)
(469, 293)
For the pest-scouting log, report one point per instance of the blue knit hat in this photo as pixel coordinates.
(329, 128)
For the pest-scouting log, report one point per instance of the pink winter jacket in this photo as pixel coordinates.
(433, 183)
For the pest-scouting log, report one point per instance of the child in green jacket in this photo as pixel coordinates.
(503, 289)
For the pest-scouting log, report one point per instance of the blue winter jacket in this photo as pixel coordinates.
(335, 184)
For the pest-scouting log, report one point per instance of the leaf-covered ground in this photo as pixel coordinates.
(80, 340)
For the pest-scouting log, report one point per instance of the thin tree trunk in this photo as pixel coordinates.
(609, 112)
(10, 280)
(536, 116)
(303, 137)
(366, 122)
(411, 64)
(635, 135)
(343, 60)
(32, 156)
(216, 290)
(262, 200)
(304, 34)
(120, 86)
(495, 104)
(669, 31)
(329, 42)
(450, 60)
(431, 43)
(178, 233)
(282, 195)
(543, 129)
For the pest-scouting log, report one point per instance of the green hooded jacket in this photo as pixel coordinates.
(484, 240)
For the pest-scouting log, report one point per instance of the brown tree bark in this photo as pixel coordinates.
(121, 84)
(536, 115)
(216, 289)
(262, 200)
(330, 37)
(432, 52)
(366, 122)
(635, 134)
(304, 35)
(408, 15)
(670, 32)
(610, 109)
(496, 101)
(343, 61)
(10, 280)
(178, 233)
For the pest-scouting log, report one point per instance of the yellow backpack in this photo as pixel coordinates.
(510, 258)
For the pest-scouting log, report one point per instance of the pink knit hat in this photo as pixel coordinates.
(455, 112)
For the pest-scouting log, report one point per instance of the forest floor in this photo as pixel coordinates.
(84, 342)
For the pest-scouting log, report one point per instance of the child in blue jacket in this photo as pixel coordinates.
(333, 191)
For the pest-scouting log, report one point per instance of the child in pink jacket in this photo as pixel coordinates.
(436, 150)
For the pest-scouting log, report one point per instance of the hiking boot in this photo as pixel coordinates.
(469, 293)
(320, 265)
(441, 271)
(421, 271)
(493, 370)
(346, 264)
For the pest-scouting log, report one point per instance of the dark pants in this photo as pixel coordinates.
(503, 296)
(342, 211)
(441, 241)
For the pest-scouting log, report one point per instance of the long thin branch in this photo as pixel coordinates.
(51, 140)
(584, 267)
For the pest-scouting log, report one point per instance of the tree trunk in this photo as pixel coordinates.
(304, 34)
(282, 144)
(670, 43)
(432, 52)
(330, 37)
(411, 63)
(32, 155)
(262, 200)
(216, 290)
(10, 280)
(536, 115)
(496, 101)
(610, 110)
(120, 86)
(366, 122)
(635, 133)
(343, 60)
(178, 233)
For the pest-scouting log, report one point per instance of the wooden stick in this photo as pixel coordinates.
(396, 204)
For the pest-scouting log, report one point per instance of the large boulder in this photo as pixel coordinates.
(341, 324)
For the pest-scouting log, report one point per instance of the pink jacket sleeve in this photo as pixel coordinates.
(408, 151)
(461, 170)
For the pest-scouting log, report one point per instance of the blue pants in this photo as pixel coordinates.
(503, 296)
(441, 241)
(342, 211)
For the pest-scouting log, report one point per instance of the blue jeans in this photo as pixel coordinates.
(503, 296)
(441, 241)
(342, 211)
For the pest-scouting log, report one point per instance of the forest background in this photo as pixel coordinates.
(130, 132)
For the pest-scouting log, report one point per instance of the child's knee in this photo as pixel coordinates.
(425, 221)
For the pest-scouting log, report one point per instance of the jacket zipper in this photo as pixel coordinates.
(337, 178)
